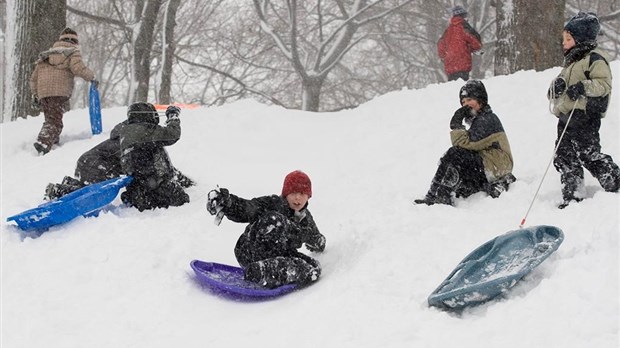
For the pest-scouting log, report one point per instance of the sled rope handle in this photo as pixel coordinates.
(549, 165)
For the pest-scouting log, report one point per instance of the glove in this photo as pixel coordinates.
(95, 83)
(217, 200)
(172, 112)
(35, 103)
(558, 87)
(575, 91)
(457, 120)
(479, 52)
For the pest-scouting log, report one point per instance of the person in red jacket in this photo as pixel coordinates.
(457, 44)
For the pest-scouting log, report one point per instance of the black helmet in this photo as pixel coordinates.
(474, 89)
(142, 112)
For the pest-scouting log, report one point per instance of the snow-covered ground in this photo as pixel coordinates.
(123, 279)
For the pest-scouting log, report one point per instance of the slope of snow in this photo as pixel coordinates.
(123, 279)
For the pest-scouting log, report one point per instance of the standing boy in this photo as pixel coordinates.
(581, 92)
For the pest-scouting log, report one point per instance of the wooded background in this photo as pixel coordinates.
(314, 55)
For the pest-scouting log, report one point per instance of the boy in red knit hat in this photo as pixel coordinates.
(278, 226)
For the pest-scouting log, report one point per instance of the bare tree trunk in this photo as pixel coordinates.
(142, 46)
(505, 49)
(168, 49)
(539, 44)
(36, 26)
(311, 93)
(523, 42)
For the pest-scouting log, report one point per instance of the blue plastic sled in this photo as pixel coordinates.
(94, 109)
(229, 281)
(496, 266)
(85, 201)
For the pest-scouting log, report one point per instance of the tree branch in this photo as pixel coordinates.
(236, 80)
(108, 20)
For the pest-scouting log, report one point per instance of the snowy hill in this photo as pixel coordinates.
(123, 279)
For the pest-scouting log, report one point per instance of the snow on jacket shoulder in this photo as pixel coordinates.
(55, 70)
(456, 44)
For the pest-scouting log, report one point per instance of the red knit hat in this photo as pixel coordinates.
(297, 181)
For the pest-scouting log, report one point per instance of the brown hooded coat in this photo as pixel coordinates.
(55, 70)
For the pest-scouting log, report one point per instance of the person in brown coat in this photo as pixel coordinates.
(51, 84)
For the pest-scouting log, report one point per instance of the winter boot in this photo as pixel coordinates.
(69, 181)
(51, 192)
(496, 188)
(437, 194)
(41, 148)
(566, 202)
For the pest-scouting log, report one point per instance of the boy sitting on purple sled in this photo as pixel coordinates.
(278, 226)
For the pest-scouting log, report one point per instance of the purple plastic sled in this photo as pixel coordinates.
(229, 280)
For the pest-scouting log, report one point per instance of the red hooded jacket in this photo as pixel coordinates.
(457, 44)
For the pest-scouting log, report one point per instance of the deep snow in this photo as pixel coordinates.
(123, 279)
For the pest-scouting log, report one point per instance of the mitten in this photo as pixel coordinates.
(576, 90)
(172, 112)
(317, 245)
(217, 200)
(558, 87)
(457, 120)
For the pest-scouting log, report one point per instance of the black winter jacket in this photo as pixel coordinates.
(302, 226)
(142, 148)
(103, 161)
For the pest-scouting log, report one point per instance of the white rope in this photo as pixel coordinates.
(549, 165)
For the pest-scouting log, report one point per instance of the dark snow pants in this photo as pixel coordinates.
(53, 110)
(460, 171)
(268, 254)
(581, 148)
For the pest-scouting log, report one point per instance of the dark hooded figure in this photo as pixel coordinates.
(582, 92)
(480, 158)
(101, 163)
(278, 225)
(143, 156)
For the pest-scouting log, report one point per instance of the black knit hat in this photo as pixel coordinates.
(474, 89)
(583, 27)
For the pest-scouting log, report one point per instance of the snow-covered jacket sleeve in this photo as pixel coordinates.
(249, 210)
